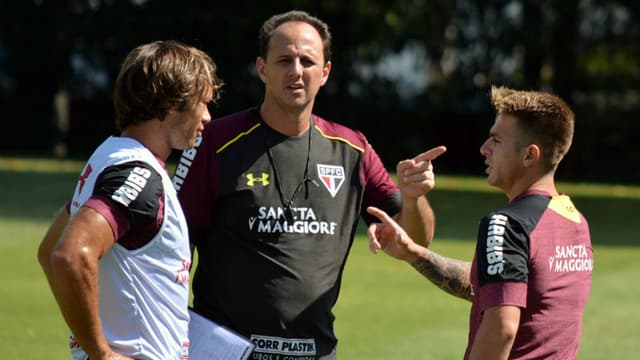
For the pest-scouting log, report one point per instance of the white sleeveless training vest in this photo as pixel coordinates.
(144, 292)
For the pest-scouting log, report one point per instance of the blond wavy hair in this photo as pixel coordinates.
(159, 76)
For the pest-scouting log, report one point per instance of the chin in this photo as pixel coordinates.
(192, 142)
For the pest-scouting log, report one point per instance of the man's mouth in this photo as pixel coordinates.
(295, 86)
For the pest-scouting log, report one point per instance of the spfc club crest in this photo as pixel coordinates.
(332, 177)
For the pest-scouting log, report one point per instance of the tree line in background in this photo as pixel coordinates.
(411, 74)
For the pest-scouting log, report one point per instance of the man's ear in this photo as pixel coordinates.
(532, 155)
(326, 70)
(260, 68)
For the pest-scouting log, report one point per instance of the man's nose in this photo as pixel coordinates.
(296, 68)
(483, 149)
(206, 116)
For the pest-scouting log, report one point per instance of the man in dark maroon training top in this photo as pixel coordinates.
(531, 275)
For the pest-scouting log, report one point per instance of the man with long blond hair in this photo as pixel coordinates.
(117, 256)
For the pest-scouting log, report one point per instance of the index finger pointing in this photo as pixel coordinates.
(430, 154)
(380, 214)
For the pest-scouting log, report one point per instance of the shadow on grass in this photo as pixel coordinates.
(37, 195)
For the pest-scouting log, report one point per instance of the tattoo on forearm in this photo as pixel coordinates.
(451, 275)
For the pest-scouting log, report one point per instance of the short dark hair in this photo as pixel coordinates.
(267, 29)
(544, 119)
(159, 76)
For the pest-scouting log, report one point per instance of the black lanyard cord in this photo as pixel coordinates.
(288, 203)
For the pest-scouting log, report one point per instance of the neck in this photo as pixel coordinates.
(290, 123)
(544, 183)
(148, 134)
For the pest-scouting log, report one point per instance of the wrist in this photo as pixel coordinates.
(409, 198)
(415, 253)
(411, 204)
(102, 352)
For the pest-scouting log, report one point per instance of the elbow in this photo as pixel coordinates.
(497, 333)
(59, 260)
(504, 322)
(506, 327)
(509, 332)
(44, 257)
(428, 237)
(65, 264)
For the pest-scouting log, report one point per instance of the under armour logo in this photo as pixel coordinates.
(84, 176)
(264, 179)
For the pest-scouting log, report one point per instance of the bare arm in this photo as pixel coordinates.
(415, 179)
(50, 240)
(73, 277)
(417, 218)
(451, 275)
(496, 333)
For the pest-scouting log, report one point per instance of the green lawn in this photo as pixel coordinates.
(385, 311)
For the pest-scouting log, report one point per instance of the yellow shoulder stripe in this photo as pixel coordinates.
(563, 206)
(340, 139)
(244, 133)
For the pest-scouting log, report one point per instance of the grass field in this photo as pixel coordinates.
(385, 311)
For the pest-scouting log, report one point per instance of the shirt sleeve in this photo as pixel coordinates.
(379, 189)
(129, 196)
(502, 255)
